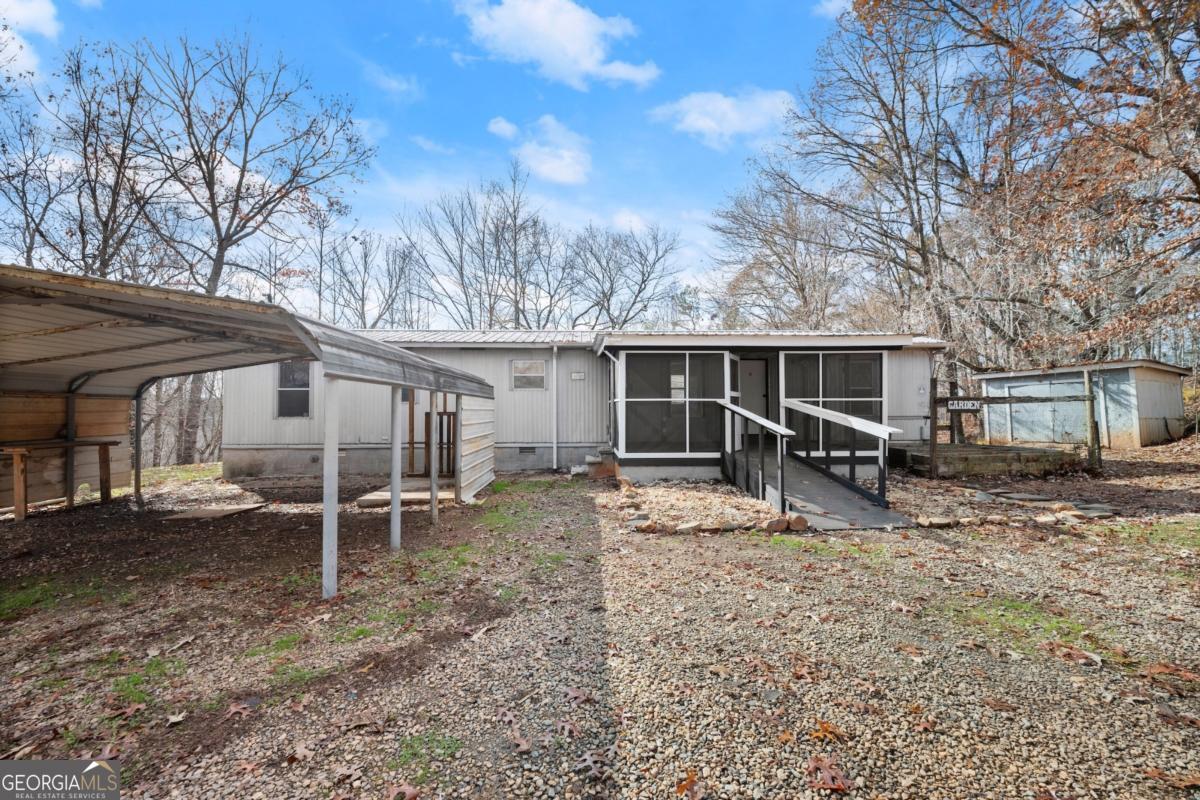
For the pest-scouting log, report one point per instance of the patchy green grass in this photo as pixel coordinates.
(181, 473)
(511, 516)
(1176, 534)
(354, 633)
(444, 562)
(138, 686)
(278, 647)
(816, 547)
(548, 561)
(19, 597)
(417, 753)
(1024, 624)
(294, 675)
(507, 593)
(531, 485)
(301, 581)
(132, 688)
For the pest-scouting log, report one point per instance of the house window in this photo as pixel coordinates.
(670, 402)
(851, 383)
(528, 374)
(293, 393)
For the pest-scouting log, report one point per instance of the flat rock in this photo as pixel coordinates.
(1022, 497)
(688, 527)
(942, 522)
(215, 512)
(985, 497)
(1046, 519)
(1096, 513)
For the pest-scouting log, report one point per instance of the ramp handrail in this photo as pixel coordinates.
(879, 431)
(875, 429)
(729, 450)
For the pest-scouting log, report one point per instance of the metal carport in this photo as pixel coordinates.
(64, 333)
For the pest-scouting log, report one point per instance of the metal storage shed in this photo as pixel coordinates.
(1138, 403)
(63, 334)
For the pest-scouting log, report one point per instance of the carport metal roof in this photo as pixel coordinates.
(63, 333)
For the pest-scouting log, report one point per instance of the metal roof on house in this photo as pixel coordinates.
(1086, 365)
(601, 338)
(763, 337)
(421, 338)
(66, 333)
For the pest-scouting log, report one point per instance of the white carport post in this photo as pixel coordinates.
(431, 448)
(329, 470)
(397, 462)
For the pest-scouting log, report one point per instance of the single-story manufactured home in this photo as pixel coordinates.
(1138, 403)
(664, 403)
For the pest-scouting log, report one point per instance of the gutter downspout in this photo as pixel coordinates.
(554, 406)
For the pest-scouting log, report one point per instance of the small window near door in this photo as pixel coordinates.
(528, 374)
(292, 395)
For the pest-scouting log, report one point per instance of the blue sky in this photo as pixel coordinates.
(625, 113)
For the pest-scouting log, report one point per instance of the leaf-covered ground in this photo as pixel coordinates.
(534, 646)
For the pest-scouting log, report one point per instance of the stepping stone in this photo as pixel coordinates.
(1096, 513)
(215, 512)
(984, 497)
(1021, 497)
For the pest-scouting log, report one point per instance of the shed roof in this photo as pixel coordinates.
(1091, 366)
(62, 332)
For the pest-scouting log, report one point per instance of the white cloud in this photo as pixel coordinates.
(555, 153)
(501, 127)
(430, 146)
(831, 8)
(400, 87)
(717, 119)
(22, 18)
(567, 42)
(373, 129)
(625, 219)
(31, 16)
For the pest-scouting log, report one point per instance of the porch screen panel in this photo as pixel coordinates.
(704, 427)
(802, 373)
(670, 402)
(706, 376)
(655, 376)
(656, 426)
(851, 383)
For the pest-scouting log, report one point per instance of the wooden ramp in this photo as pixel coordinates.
(825, 503)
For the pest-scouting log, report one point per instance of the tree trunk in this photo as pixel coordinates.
(190, 427)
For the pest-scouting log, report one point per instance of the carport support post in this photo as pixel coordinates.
(397, 464)
(137, 450)
(431, 448)
(329, 481)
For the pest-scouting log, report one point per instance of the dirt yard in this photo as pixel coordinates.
(536, 646)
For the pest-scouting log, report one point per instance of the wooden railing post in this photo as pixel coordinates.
(105, 474)
(933, 427)
(20, 489)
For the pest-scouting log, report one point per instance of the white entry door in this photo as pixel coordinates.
(752, 380)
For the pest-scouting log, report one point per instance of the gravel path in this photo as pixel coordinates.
(543, 648)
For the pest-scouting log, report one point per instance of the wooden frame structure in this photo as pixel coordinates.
(936, 401)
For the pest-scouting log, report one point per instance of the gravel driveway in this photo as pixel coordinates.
(536, 646)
